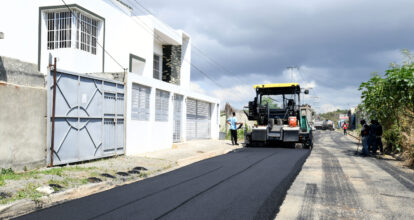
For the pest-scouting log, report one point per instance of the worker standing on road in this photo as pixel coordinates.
(345, 126)
(364, 135)
(378, 138)
(371, 137)
(233, 128)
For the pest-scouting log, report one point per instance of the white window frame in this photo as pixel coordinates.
(140, 102)
(83, 31)
(162, 101)
(59, 29)
(159, 66)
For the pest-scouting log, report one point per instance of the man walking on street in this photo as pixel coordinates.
(365, 136)
(345, 126)
(233, 128)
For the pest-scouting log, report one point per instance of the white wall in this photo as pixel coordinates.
(146, 136)
(124, 35)
(185, 61)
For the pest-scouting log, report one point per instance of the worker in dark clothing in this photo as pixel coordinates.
(378, 138)
(371, 137)
(364, 136)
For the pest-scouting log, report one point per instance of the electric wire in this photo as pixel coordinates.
(211, 60)
(83, 26)
(149, 30)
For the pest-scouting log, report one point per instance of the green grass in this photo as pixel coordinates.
(9, 174)
(29, 192)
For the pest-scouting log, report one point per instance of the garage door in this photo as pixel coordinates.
(89, 118)
(178, 100)
(198, 119)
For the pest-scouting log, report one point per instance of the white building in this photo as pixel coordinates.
(105, 36)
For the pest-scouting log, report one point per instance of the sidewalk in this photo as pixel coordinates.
(21, 193)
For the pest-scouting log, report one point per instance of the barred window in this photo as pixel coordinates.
(86, 29)
(157, 67)
(161, 105)
(140, 102)
(59, 30)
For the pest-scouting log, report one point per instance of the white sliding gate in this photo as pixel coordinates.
(89, 118)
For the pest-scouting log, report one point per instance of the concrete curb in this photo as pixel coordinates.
(26, 206)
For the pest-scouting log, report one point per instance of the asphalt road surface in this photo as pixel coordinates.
(250, 183)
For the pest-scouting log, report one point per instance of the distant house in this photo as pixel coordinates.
(105, 36)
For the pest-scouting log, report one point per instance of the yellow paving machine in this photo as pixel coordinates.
(280, 119)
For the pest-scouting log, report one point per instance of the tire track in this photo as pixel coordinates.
(405, 179)
(306, 211)
(339, 197)
(381, 205)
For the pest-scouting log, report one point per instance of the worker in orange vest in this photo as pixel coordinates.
(345, 127)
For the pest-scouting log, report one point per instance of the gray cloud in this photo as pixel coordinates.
(341, 41)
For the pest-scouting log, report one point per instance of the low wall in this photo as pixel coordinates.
(22, 115)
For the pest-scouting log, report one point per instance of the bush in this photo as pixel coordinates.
(390, 99)
(392, 137)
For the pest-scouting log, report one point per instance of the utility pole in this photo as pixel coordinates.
(291, 71)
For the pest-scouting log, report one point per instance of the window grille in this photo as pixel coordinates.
(59, 31)
(86, 31)
(157, 69)
(140, 99)
(161, 105)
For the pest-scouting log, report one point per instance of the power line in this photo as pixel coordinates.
(83, 26)
(149, 30)
(211, 60)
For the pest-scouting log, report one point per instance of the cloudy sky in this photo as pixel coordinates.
(336, 44)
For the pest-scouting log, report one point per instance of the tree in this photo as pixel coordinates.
(390, 99)
(269, 101)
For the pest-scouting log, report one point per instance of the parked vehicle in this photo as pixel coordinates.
(328, 125)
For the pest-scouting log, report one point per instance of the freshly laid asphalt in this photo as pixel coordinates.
(249, 183)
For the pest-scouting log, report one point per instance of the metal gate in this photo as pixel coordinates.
(178, 100)
(198, 119)
(89, 118)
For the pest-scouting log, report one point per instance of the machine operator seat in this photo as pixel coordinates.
(291, 107)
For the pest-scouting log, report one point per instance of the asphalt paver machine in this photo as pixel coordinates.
(280, 119)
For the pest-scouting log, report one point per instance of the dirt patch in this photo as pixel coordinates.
(134, 172)
(122, 174)
(107, 175)
(5, 195)
(94, 180)
(140, 168)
